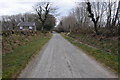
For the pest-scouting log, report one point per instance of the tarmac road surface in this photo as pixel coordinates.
(60, 59)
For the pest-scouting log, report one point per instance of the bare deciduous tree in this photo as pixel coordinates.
(43, 9)
(91, 15)
(116, 15)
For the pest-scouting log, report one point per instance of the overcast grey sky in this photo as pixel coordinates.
(12, 7)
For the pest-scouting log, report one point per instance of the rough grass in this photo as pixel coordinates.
(15, 61)
(106, 44)
(109, 60)
(13, 39)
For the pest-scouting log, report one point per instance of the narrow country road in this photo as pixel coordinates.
(60, 59)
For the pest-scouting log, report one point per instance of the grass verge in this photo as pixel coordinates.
(15, 61)
(109, 60)
(109, 44)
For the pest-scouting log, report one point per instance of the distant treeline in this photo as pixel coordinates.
(10, 22)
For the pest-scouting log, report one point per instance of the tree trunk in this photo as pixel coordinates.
(91, 15)
(42, 28)
(96, 30)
